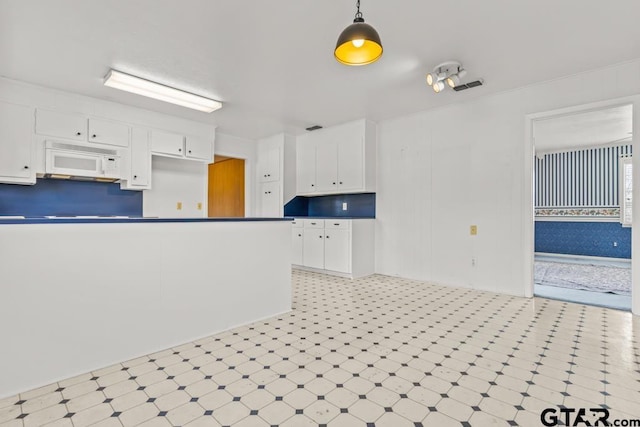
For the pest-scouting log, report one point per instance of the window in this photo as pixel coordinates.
(626, 187)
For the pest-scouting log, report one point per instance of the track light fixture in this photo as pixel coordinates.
(359, 43)
(450, 72)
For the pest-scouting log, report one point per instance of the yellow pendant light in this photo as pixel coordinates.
(359, 43)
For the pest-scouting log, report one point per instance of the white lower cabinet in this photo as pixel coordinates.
(16, 144)
(337, 254)
(297, 242)
(313, 244)
(334, 246)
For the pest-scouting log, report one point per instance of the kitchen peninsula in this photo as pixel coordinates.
(80, 294)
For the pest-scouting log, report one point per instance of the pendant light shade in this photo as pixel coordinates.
(359, 43)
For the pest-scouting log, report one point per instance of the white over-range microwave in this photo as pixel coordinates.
(74, 161)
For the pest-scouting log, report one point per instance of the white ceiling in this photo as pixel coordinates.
(271, 62)
(587, 129)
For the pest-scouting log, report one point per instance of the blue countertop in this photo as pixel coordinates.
(111, 220)
(332, 217)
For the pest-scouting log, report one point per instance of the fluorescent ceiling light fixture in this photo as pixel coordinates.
(133, 84)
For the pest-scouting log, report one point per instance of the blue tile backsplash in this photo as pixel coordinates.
(358, 205)
(602, 239)
(67, 198)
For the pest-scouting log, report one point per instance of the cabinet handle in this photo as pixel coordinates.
(179, 150)
(327, 237)
(320, 237)
(340, 182)
(313, 223)
(135, 176)
(265, 175)
(94, 136)
(334, 183)
(189, 151)
(78, 133)
(336, 223)
(299, 235)
(313, 185)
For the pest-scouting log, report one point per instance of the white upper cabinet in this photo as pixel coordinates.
(198, 148)
(327, 164)
(269, 161)
(108, 132)
(306, 164)
(16, 144)
(79, 127)
(351, 161)
(61, 125)
(339, 159)
(180, 146)
(167, 143)
(138, 175)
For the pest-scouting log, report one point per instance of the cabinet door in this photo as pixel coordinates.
(269, 163)
(16, 127)
(313, 248)
(108, 132)
(297, 245)
(337, 250)
(327, 165)
(270, 200)
(140, 158)
(167, 143)
(199, 148)
(305, 166)
(62, 125)
(351, 160)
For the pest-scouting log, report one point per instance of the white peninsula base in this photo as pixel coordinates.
(77, 297)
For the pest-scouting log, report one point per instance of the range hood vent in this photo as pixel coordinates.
(80, 148)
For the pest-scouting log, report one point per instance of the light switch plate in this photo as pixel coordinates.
(179, 206)
(344, 206)
(473, 230)
(199, 206)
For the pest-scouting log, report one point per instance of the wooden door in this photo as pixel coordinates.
(226, 188)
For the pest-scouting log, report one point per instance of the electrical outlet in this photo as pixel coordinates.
(344, 206)
(473, 230)
(615, 244)
(179, 206)
(473, 262)
(199, 206)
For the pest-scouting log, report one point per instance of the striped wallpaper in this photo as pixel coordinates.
(581, 178)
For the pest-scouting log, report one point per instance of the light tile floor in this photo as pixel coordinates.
(378, 351)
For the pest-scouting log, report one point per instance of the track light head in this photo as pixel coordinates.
(431, 79)
(438, 87)
(453, 81)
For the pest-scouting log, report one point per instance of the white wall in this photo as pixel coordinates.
(240, 148)
(173, 181)
(441, 170)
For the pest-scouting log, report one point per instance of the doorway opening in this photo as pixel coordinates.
(582, 206)
(226, 187)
